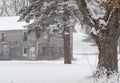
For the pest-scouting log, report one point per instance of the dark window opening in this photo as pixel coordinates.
(25, 50)
(3, 38)
(25, 36)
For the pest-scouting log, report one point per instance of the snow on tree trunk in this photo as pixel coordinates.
(107, 46)
(108, 55)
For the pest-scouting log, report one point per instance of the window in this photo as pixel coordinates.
(24, 51)
(25, 36)
(2, 35)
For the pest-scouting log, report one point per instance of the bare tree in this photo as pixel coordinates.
(4, 10)
(12, 7)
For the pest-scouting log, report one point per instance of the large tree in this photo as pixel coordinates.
(51, 16)
(103, 17)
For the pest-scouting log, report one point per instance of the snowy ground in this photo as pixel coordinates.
(84, 64)
(46, 71)
(43, 72)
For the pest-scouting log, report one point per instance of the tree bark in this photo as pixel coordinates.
(67, 48)
(108, 61)
(119, 45)
(37, 50)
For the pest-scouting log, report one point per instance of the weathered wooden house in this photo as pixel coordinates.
(15, 44)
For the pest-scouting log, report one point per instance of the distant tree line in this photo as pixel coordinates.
(12, 7)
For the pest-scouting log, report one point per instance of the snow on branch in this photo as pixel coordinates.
(95, 10)
(47, 4)
(102, 22)
(94, 31)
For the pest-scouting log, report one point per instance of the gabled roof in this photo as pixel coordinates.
(10, 23)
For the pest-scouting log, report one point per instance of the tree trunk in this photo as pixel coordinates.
(108, 62)
(66, 37)
(37, 50)
(48, 45)
(67, 49)
(119, 45)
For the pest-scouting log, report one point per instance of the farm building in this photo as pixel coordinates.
(16, 44)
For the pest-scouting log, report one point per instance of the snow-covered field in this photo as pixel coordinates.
(82, 67)
(43, 72)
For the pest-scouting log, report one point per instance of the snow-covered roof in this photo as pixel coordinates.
(10, 23)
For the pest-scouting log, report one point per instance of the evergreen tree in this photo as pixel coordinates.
(51, 16)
